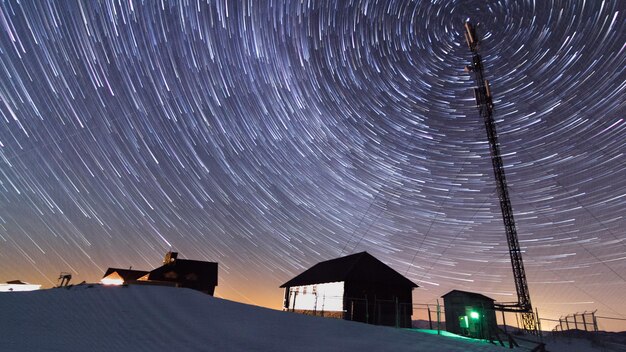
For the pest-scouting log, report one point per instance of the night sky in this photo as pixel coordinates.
(271, 135)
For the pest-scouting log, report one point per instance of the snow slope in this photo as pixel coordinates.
(151, 318)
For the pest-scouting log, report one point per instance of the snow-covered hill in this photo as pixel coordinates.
(151, 318)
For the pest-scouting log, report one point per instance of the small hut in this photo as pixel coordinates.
(470, 314)
(357, 287)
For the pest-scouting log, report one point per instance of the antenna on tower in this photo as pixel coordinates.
(484, 101)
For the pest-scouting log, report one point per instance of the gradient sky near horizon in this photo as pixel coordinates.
(271, 135)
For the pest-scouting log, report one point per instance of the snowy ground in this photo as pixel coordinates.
(150, 318)
(592, 342)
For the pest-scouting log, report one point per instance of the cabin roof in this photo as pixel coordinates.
(17, 282)
(126, 274)
(469, 294)
(359, 267)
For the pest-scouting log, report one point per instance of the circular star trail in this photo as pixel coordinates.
(271, 135)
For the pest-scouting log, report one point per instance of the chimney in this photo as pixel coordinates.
(170, 257)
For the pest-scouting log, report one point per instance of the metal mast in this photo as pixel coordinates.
(485, 106)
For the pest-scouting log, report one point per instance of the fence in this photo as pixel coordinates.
(392, 312)
(591, 326)
(586, 321)
(389, 312)
(434, 314)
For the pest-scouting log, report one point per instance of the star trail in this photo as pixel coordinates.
(271, 135)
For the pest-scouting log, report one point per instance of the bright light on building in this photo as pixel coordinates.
(111, 281)
(107, 281)
(474, 315)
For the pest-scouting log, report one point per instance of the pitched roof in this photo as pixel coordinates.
(470, 294)
(194, 270)
(126, 274)
(359, 267)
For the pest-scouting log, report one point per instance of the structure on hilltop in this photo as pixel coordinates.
(484, 102)
(194, 274)
(470, 314)
(356, 287)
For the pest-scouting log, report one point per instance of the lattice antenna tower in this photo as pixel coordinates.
(484, 101)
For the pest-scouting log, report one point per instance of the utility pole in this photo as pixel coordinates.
(484, 101)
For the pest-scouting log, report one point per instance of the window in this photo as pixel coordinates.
(304, 290)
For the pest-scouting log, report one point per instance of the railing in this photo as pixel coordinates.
(586, 321)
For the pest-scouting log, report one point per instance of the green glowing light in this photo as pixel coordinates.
(474, 315)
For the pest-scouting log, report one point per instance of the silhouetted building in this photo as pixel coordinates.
(357, 287)
(470, 314)
(194, 274)
(116, 276)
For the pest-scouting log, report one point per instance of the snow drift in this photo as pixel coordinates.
(151, 318)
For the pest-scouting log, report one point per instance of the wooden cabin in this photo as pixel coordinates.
(470, 314)
(356, 287)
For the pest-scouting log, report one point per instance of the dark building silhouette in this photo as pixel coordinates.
(122, 276)
(17, 282)
(357, 287)
(470, 314)
(193, 274)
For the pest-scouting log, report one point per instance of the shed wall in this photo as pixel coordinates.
(379, 304)
(457, 306)
(326, 297)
